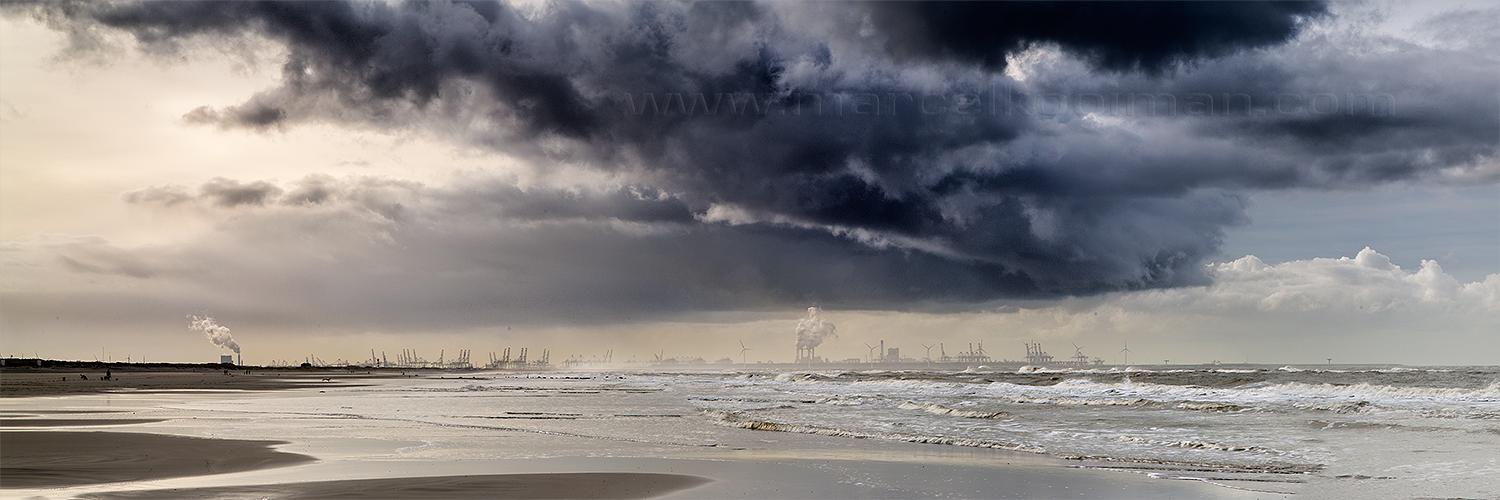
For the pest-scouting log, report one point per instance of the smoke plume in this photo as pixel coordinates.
(217, 334)
(813, 329)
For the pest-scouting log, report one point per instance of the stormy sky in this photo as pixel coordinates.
(1262, 181)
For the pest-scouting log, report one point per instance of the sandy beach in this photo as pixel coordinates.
(301, 437)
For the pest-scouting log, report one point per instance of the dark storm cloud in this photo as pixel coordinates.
(382, 254)
(1120, 36)
(792, 147)
(1313, 114)
(388, 198)
(470, 256)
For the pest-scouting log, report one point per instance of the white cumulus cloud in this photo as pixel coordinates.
(1367, 282)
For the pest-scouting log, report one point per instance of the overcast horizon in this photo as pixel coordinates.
(1264, 182)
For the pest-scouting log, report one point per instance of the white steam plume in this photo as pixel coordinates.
(813, 329)
(219, 335)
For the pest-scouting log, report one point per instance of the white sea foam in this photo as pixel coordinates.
(937, 409)
(1287, 391)
(841, 401)
(1079, 401)
(1210, 406)
(1194, 444)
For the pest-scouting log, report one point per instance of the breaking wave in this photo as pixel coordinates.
(1210, 406)
(937, 409)
(1196, 445)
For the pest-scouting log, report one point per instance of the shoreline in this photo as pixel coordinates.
(774, 465)
(24, 382)
(560, 485)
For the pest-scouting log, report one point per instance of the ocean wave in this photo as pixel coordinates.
(813, 376)
(1196, 445)
(798, 377)
(1081, 401)
(1462, 413)
(1340, 408)
(1211, 406)
(731, 419)
(841, 401)
(1031, 369)
(741, 400)
(1366, 390)
(1181, 466)
(770, 408)
(937, 409)
(913, 384)
(1361, 425)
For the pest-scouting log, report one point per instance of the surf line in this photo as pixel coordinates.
(353, 416)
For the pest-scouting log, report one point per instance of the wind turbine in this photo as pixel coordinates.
(929, 351)
(872, 352)
(1127, 351)
(742, 351)
(1078, 354)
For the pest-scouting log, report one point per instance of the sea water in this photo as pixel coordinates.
(1309, 433)
(1346, 433)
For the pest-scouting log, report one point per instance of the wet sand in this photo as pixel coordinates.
(59, 382)
(7, 421)
(559, 485)
(47, 459)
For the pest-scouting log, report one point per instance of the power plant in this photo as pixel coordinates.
(219, 335)
(811, 332)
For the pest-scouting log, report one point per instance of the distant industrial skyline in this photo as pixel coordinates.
(331, 178)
